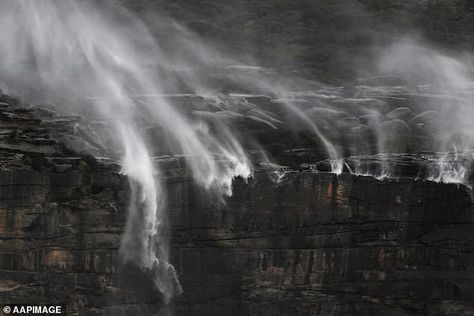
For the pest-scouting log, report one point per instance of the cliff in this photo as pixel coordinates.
(312, 244)
(317, 244)
(331, 41)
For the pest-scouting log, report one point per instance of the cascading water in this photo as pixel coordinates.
(446, 83)
(108, 66)
(67, 53)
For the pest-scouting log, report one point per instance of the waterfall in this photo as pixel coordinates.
(73, 55)
(100, 61)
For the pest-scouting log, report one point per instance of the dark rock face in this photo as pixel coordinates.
(317, 244)
(323, 37)
(58, 229)
(61, 219)
(312, 244)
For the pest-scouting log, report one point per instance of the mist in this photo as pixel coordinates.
(180, 96)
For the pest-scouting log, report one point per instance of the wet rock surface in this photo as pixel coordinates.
(62, 216)
(306, 243)
(320, 244)
(424, 166)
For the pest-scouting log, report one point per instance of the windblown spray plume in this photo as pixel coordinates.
(422, 115)
(70, 55)
(73, 56)
(441, 86)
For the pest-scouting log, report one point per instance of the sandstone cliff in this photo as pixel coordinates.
(312, 244)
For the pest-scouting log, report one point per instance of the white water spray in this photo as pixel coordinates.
(109, 67)
(70, 54)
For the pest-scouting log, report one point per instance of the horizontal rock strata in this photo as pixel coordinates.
(307, 243)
